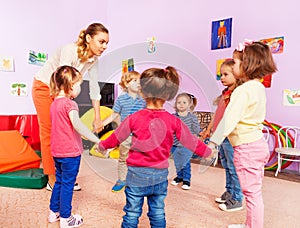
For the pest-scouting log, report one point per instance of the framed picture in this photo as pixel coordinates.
(221, 34)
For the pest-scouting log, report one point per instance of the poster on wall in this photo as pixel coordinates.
(7, 64)
(151, 44)
(276, 44)
(221, 34)
(18, 89)
(37, 58)
(127, 65)
(291, 97)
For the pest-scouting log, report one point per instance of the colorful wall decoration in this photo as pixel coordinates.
(7, 64)
(276, 44)
(18, 89)
(151, 44)
(291, 97)
(37, 58)
(221, 34)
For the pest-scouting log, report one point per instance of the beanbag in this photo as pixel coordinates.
(15, 153)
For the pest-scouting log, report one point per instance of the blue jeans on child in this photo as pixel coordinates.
(145, 182)
(226, 154)
(62, 192)
(182, 160)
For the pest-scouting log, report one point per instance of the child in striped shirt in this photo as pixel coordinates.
(184, 105)
(126, 104)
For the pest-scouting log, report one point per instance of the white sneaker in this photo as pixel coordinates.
(49, 187)
(186, 185)
(72, 221)
(237, 226)
(53, 216)
(76, 187)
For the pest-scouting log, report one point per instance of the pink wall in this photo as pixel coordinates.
(45, 25)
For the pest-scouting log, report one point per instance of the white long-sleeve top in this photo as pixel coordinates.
(67, 55)
(244, 115)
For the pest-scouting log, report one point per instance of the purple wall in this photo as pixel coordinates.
(45, 25)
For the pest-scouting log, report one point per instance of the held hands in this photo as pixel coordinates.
(97, 125)
(99, 149)
(215, 151)
(205, 134)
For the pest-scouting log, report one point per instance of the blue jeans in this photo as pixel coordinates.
(182, 160)
(232, 180)
(62, 192)
(145, 182)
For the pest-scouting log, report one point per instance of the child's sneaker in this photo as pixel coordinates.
(76, 187)
(53, 216)
(231, 205)
(119, 185)
(72, 221)
(186, 185)
(224, 197)
(237, 226)
(176, 181)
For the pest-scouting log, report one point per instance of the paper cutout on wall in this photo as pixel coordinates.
(291, 97)
(276, 44)
(127, 65)
(221, 34)
(130, 65)
(124, 66)
(7, 64)
(151, 44)
(37, 58)
(18, 89)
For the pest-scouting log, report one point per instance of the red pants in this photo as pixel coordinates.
(42, 102)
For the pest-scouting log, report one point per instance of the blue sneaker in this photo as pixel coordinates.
(119, 185)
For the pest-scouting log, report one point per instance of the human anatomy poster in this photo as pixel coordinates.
(7, 64)
(291, 97)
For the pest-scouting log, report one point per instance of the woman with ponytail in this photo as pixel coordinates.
(82, 55)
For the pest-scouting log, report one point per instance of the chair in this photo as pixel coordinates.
(287, 150)
(266, 132)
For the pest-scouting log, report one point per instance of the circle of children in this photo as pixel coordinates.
(147, 135)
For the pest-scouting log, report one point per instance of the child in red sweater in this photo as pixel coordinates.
(152, 131)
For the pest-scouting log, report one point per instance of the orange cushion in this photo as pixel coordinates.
(16, 153)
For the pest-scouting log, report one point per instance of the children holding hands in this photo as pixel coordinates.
(152, 130)
(66, 143)
(184, 105)
(242, 123)
(127, 103)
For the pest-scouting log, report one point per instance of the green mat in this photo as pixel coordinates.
(30, 178)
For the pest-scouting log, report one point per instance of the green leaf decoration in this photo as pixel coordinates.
(290, 100)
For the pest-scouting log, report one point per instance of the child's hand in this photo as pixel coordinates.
(215, 151)
(204, 134)
(100, 150)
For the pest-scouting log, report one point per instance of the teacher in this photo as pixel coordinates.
(83, 55)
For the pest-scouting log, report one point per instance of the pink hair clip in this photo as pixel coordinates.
(241, 46)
